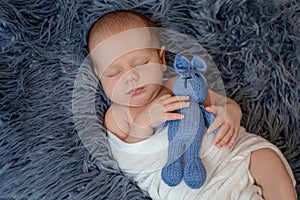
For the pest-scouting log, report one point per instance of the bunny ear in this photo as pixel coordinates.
(181, 64)
(198, 64)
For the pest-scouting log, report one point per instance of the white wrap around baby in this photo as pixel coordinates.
(228, 176)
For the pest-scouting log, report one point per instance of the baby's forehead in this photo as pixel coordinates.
(115, 23)
(122, 43)
(133, 34)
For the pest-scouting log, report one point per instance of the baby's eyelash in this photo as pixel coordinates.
(143, 62)
(146, 62)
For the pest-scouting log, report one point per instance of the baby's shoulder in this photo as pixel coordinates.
(116, 120)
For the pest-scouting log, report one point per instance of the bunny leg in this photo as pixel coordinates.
(172, 172)
(194, 170)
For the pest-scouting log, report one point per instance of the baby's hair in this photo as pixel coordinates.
(116, 21)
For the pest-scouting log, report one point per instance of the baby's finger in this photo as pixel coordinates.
(222, 132)
(228, 135)
(176, 105)
(165, 96)
(233, 139)
(212, 109)
(174, 116)
(215, 124)
(173, 99)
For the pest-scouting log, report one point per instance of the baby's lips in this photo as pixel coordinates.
(136, 91)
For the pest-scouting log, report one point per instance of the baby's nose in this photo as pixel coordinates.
(130, 76)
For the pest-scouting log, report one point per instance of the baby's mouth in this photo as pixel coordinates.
(136, 91)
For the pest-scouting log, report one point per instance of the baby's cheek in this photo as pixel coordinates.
(109, 89)
(154, 74)
(116, 92)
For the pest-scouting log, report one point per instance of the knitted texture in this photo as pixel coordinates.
(185, 135)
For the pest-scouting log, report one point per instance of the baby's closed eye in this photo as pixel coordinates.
(112, 72)
(141, 61)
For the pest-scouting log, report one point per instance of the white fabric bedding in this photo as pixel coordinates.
(228, 176)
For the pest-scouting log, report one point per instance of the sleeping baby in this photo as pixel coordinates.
(130, 62)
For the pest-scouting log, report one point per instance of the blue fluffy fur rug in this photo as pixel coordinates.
(254, 43)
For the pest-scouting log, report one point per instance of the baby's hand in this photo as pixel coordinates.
(162, 110)
(228, 119)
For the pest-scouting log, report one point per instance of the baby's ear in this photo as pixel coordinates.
(162, 58)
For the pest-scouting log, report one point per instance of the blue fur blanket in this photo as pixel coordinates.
(255, 45)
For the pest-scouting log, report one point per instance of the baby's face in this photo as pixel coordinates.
(130, 68)
(135, 78)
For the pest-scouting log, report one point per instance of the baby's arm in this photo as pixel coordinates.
(116, 121)
(228, 116)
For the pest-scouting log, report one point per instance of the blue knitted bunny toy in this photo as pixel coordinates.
(185, 135)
